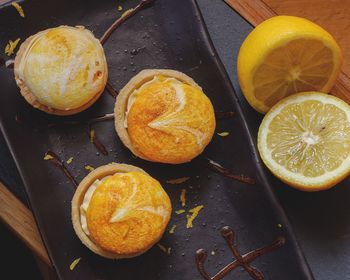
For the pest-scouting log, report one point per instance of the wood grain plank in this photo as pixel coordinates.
(254, 11)
(332, 15)
(21, 221)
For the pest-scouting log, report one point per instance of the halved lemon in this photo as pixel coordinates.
(286, 55)
(305, 140)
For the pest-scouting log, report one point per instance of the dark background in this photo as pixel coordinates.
(320, 220)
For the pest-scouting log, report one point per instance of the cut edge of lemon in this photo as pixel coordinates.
(250, 51)
(297, 180)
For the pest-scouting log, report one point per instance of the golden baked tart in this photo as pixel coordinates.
(119, 211)
(61, 70)
(164, 116)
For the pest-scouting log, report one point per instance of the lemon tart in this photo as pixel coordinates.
(164, 116)
(61, 70)
(119, 211)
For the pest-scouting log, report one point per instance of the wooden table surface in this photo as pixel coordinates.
(20, 220)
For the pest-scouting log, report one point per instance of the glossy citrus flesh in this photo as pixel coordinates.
(305, 140)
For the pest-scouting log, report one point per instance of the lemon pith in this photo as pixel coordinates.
(305, 140)
(285, 55)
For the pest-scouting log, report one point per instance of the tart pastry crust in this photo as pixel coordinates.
(142, 240)
(186, 118)
(68, 75)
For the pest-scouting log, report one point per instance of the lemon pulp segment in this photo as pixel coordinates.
(305, 140)
(300, 65)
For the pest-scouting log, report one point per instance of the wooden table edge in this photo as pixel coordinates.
(20, 220)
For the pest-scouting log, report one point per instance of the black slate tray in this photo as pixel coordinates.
(170, 34)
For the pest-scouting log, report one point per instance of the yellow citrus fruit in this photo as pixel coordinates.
(305, 140)
(285, 55)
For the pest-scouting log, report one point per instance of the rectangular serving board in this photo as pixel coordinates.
(170, 34)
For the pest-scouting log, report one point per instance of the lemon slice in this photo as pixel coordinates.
(305, 140)
(286, 55)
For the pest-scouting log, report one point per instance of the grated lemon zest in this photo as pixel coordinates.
(74, 263)
(120, 8)
(89, 168)
(183, 197)
(69, 161)
(92, 135)
(172, 230)
(164, 249)
(48, 157)
(180, 211)
(223, 134)
(195, 212)
(18, 8)
(11, 46)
